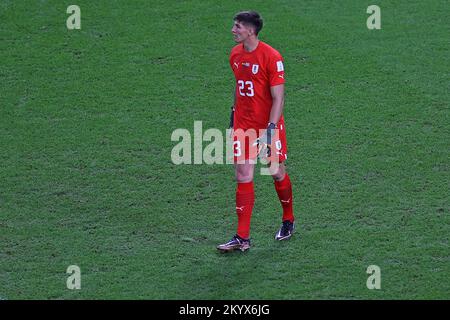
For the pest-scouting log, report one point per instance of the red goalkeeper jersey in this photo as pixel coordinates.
(255, 73)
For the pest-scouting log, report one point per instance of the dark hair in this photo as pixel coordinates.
(250, 17)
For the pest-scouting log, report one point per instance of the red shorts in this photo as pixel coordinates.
(244, 147)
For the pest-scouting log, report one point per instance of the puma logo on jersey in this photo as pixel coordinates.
(237, 65)
(281, 76)
(240, 208)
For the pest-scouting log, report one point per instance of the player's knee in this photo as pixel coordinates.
(244, 176)
(244, 173)
(241, 178)
(280, 174)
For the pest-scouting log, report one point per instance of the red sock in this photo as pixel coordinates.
(284, 190)
(245, 199)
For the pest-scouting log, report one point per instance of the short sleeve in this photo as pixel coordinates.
(276, 70)
(232, 57)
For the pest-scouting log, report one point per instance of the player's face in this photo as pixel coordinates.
(241, 32)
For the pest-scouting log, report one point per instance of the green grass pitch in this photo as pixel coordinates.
(86, 176)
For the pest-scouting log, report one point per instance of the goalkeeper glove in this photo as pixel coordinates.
(232, 118)
(265, 141)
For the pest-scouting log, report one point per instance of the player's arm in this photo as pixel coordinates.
(277, 93)
(232, 110)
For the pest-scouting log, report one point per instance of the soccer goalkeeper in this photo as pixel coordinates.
(258, 106)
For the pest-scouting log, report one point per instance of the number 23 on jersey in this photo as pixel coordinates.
(246, 88)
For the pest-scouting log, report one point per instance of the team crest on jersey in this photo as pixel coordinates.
(255, 68)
